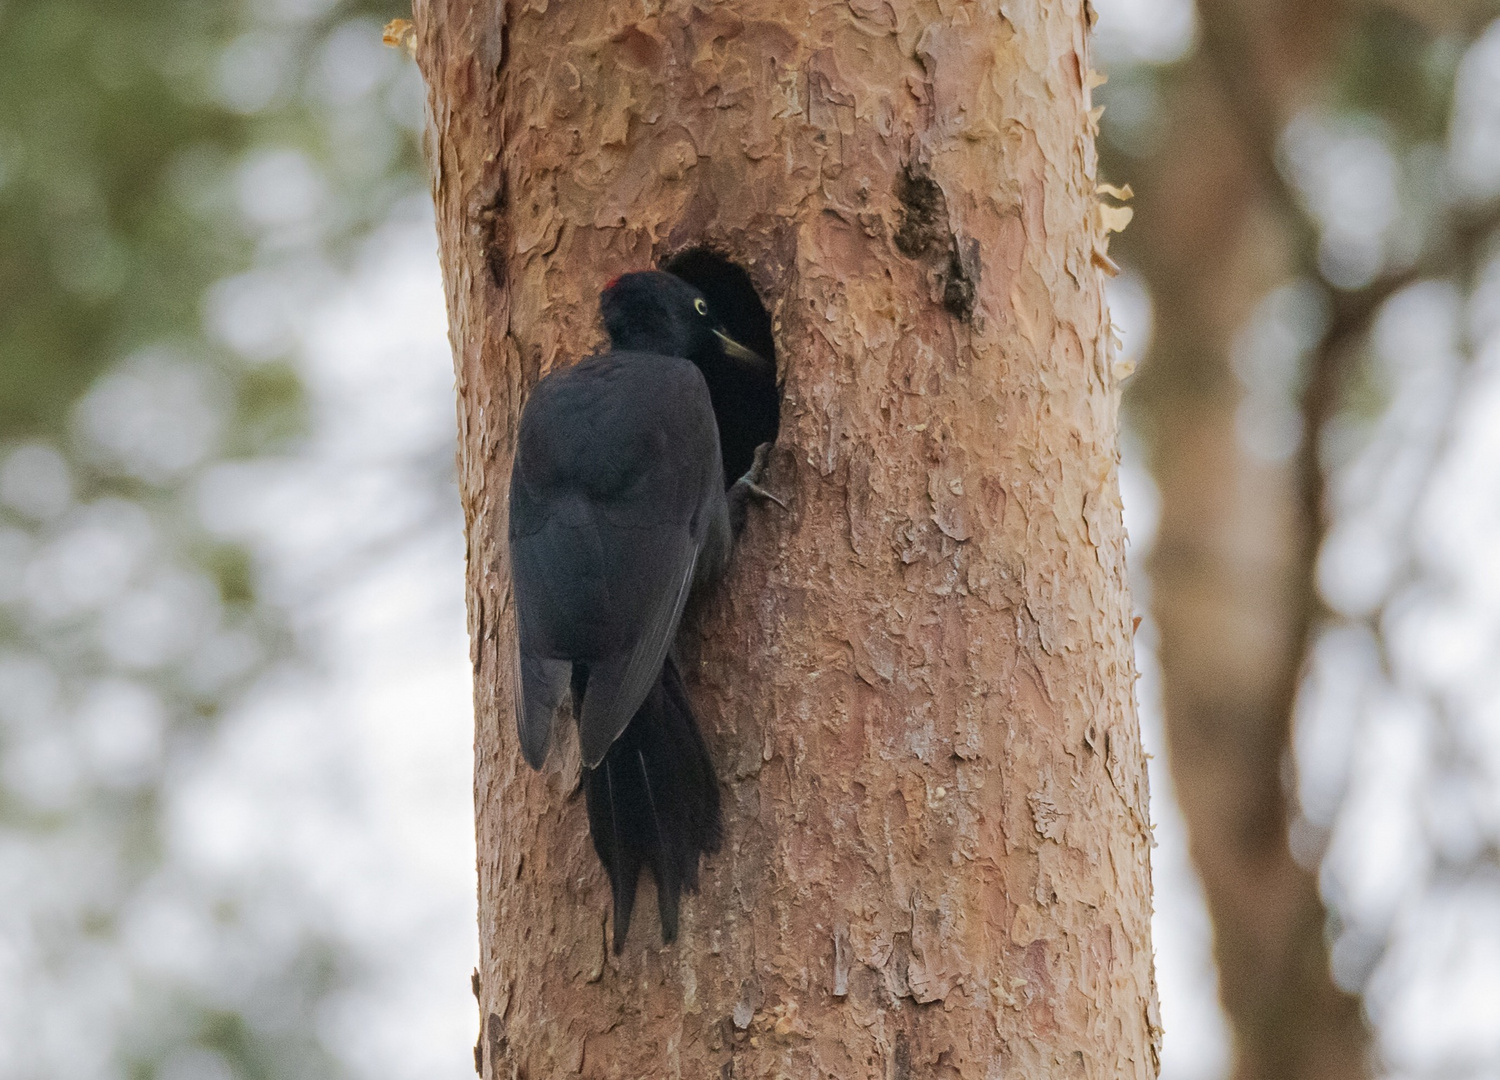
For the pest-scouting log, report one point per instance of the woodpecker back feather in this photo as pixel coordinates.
(618, 509)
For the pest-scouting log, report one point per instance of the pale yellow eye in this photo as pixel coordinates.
(700, 306)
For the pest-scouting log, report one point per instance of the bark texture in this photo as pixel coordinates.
(917, 683)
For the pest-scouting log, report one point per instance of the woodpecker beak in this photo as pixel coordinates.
(735, 351)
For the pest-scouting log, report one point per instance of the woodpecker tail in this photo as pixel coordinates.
(654, 802)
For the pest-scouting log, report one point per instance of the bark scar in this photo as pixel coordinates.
(926, 233)
(494, 234)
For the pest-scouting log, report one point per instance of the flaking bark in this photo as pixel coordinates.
(917, 683)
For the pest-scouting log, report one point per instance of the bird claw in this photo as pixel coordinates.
(749, 484)
(761, 493)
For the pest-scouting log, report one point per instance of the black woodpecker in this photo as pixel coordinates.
(618, 510)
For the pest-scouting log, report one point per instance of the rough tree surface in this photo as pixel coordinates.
(917, 683)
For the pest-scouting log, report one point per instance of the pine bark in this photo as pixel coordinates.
(917, 682)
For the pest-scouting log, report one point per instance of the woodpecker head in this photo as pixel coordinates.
(652, 311)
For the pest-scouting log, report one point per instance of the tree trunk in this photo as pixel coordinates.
(916, 682)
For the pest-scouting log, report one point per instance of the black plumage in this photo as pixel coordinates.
(618, 509)
(747, 401)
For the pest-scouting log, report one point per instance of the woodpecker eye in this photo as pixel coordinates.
(700, 306)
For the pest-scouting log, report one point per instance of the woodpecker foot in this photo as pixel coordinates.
(749, 485)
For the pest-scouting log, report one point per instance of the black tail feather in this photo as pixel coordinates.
(654, 802)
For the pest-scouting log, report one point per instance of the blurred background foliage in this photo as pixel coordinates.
(226, 485)
(180, 184)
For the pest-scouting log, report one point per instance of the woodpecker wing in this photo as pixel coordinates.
(613, 493)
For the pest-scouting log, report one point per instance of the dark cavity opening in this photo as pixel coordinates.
(747, 403)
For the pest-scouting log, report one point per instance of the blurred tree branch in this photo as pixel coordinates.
(1234, 571)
